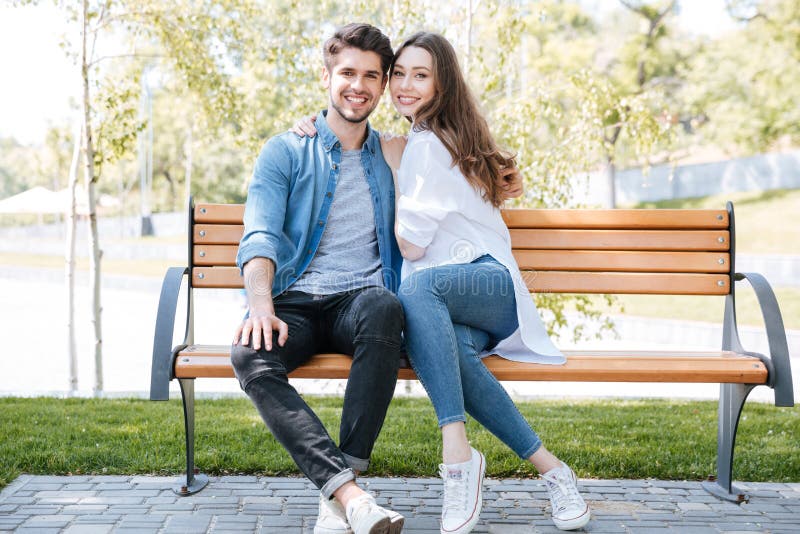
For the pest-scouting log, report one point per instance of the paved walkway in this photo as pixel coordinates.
(100, 504)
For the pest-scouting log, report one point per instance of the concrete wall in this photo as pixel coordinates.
(762, 172)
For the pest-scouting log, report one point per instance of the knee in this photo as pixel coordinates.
(241, 357)
(416, 286)
(249, 364)
(381, 313)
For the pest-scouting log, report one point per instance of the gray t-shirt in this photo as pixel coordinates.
(347, 257)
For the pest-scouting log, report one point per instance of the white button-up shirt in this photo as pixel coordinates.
(441, 212)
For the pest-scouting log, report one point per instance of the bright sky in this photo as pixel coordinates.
(38, 80)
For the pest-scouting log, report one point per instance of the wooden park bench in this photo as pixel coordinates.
(675, 252)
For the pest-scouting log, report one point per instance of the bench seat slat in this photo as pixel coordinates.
(543, 218)
(549, 282)
(582, 366)
(549, 260)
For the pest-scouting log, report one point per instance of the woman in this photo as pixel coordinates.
(461, 289)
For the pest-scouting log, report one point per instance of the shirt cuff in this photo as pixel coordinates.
(248, 252)
(420, 239)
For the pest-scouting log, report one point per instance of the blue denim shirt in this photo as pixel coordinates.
(290, 196)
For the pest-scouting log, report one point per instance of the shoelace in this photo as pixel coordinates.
(455, 492)
(564, 493)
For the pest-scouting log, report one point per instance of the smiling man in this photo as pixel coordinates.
(321, 269)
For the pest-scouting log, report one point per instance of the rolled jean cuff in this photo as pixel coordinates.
(452, 419)
(531, 450)
(336, 482)
(357, 464)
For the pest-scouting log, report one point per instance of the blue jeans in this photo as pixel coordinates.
(453, 313)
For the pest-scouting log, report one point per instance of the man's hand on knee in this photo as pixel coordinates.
(261, 325)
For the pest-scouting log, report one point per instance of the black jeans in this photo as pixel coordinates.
(365, 323)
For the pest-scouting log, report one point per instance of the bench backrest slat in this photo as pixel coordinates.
(564, 251)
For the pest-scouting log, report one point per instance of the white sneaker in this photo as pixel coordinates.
(366, 517)
(395, 521)
(570, 511)
(463, 499)
(332, 518)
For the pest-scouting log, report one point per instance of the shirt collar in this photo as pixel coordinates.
(329, 138)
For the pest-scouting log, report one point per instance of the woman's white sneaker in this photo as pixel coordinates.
(570, 511)
(463, 499)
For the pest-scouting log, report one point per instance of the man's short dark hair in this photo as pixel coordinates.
(362, 36)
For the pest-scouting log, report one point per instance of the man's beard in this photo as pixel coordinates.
(354, 120)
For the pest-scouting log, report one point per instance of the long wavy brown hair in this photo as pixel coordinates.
(454, 117)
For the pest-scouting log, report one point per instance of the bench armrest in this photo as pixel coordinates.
(776, 337)
(161, 370)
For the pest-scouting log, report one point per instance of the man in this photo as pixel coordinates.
(321, 266)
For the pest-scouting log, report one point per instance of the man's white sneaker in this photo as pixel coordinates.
(366, 517)
(332, 518)
(570, 511)
(395, 521)
(463, 499)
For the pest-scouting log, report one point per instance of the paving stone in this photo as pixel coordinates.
(112, 500)
(604, 526)
(280, 521)
(762, 507)
(282, 485)
(83, 509)
(34, 509)
(104, 518)
(88, 529)
(686, 506)
(108, 479)
(48, 521)
(511, 529)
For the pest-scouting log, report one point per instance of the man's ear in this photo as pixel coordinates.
(385, 81)
(326, 78)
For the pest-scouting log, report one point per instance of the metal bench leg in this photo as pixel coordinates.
(194, 481)
(731, 402)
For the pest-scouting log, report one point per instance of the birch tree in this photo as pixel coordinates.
(197, 41)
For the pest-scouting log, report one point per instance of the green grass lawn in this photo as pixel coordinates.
(599, 439)
(766, 221)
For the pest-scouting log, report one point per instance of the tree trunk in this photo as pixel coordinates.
(468, 44)
(611, 172)
(70, 263)
(94, 244)
(188, 151)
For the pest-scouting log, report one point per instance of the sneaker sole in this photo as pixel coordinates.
(381, 526)
(575, 523)
(323, 530)
(469, 525)
(396, 526)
